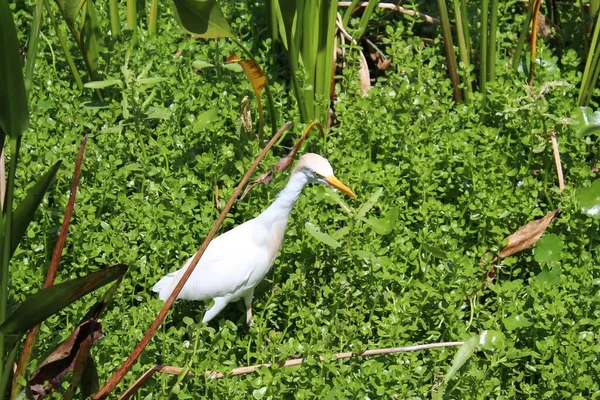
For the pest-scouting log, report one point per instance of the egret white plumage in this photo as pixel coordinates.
(237, 261)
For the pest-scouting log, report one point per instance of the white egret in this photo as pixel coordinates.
(238, 260)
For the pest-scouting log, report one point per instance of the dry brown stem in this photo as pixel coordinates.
(170, 370)
(394, 7)
(53, 268)
(559, 171)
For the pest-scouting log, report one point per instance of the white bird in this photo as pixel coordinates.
(237, 261)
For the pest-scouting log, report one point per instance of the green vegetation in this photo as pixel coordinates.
(420, 257)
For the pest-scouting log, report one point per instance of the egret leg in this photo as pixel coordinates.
(248, 301)
(220, 303)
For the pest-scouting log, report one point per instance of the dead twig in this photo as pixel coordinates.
(284, 163)
(394, 7)
(170, 370)
(131, 359)
(559, 172)
(53, 268)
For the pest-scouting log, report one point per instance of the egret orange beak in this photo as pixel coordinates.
(335, 182)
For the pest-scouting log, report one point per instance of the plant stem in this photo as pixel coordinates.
(483, 49)
(65, 46)
(461, 22)
(491, 63)
(449, 46)
(34, 39)
(590, 66)
(15, 144)
(533, 46)
(523, 35)
(131, 14)
(115, 24)
(152, 18)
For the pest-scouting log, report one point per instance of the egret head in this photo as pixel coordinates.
(318, 170)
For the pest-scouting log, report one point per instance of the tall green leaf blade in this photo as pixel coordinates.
(366, 207)
(47, 302)
(24, 213)
(462, 355)
(322, 237)
(72, 9)
(14, 114)
(202, 17)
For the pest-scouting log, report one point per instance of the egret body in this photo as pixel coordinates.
(235, 262)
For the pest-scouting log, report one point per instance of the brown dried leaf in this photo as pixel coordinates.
(246, 115)
(61, 361)
(257, 79)
(255, 74)
(526, 236)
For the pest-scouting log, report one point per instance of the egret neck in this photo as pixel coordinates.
(281, 207)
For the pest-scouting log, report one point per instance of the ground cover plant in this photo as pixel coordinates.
(420, 257)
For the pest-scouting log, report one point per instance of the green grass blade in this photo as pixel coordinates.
(41, 305)
(311, 25)
(449, 47)
(585, 89)
(5, 376)
(491, 56)
(14, 113)
(132, 14)
(523, 35)
(364, 20)
(115, 22)
(65, 46)
(466, 28)
(15, 145)
(23, 214)
(461, 22)
(483, 37)
(34, 39)
(348, 13)
(152, 18)
(324, 66)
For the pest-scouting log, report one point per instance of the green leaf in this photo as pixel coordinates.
(204, 119)
(49, 301)
(490, 340)
(235, 67)
(103, 84)
(589, 199)
(150, 82)
(201, 64)
(23, 215)
(549, 277)
(384, 225)
(587, 121)
(366, 207)
(202, 17)
(462, 355)
(548, 249)
(322, 237)
(72, 8)
(89, 380)
(516, 321)
(437, 253)
(336, 197)
(8, 366)
(14, 114)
